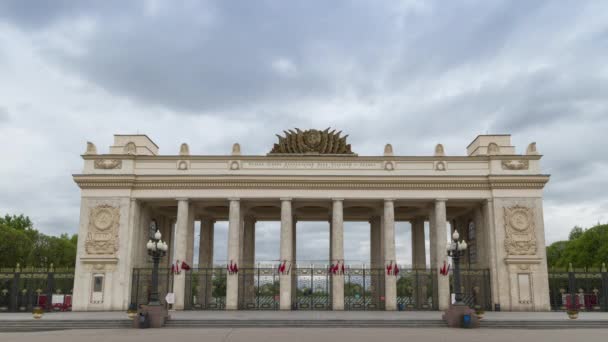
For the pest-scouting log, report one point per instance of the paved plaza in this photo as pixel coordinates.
(309, 334)
(310, 315)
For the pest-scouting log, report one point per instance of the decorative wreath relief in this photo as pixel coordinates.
(102, 237)
(520, 233)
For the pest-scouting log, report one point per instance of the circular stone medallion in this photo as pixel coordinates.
(519, 221)
(103, 219)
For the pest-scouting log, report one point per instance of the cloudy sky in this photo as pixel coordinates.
(210, 73)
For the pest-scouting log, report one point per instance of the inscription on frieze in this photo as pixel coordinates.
(312, 165)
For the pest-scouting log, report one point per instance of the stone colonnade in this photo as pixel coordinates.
(241, 250)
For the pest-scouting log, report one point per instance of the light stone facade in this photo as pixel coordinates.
(311, 175)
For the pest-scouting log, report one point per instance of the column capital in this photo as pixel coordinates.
(337, 199)
(286, 199)
(389, 200)
(441, 199)
(489, 200)
(182, 199)
(231, 199)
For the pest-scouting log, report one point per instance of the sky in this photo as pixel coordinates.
(211, 73)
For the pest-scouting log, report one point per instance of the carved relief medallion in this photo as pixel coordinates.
(102, 237)
(515, 164)
(108, 164)
(520, 236)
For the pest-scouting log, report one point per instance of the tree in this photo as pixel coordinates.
(21, 243)
(584, 248)
(575, 233)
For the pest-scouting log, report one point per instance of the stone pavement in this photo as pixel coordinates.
(308, 315)
(309, 335)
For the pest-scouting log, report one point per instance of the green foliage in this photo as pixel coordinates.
(219, 287)
(575, 233)
(21, 243)
(584, 248)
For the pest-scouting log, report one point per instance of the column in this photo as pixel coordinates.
(443, 282)
(480, 239)
(292, 273)
(390, 285)
(418, 244)
(205, 259)
(337, 250)
(181, 242)
(488, 213)
(234, 248)
(434, 263)
(419, 261)
(190, 240)
(286, 252)
(376, 264)
(248, 266)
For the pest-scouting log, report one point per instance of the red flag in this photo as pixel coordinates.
(396, 270)
(443, 270)
(185, 266)
(236, 268)
(342, 269)
(389, 268)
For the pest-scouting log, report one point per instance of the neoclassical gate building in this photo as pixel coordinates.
(492, 195)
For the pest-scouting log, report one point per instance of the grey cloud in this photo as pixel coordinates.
(4, 115)
(203, 73)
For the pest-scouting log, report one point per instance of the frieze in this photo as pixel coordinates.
(108, 164)
(102, 236)
(312, 165)
(515, 164)
(520, 236)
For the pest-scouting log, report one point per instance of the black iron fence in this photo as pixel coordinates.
(22, 289)
(313, 288)
(475, 288)
(259, 288)
(415, 289)
(141, 285)
(206, 289)
(363, 289)
(584, 288)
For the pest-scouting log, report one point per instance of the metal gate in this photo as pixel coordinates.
(21, 289)
(363, 289)
(141, 285)
(313, 289)
(590, 289)
(205, 289)
(475, 288)
(259, 288)
(415, 289)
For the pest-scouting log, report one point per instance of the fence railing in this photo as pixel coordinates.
(583, 288)
(22, 289)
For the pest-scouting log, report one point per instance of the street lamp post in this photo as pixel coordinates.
(456, 250)
(156, 249)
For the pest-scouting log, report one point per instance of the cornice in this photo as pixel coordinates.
(340, 158)
(311, 182)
